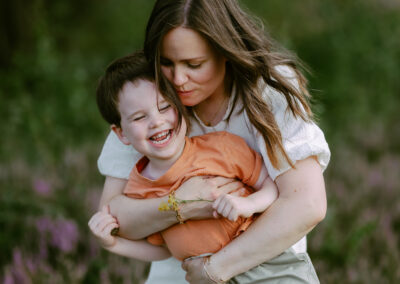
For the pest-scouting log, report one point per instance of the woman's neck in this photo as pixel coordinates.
(212, 110)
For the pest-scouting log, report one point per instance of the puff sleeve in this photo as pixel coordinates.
(116, 159)
(300, 139)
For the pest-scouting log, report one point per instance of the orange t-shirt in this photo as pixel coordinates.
(216, 154)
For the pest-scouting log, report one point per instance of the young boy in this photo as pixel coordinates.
(156, 126)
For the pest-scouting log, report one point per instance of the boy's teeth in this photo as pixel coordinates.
(161, 137)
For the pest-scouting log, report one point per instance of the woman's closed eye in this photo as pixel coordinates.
(165, 62)
(194, 65)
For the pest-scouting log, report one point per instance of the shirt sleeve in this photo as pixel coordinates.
(117, 159)
(300, 139)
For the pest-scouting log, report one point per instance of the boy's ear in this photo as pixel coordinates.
(118, 130)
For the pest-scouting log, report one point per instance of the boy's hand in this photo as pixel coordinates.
(101, 224)
(231, 206)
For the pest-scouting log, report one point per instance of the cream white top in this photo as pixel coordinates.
(300, 139)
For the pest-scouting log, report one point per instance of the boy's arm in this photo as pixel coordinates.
(231, 206)
(112, 187)
(139, 218)
(102, 223)
(141, 250)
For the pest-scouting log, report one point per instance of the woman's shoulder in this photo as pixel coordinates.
(273, 97)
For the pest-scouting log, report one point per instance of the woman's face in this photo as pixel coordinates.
(192, 66)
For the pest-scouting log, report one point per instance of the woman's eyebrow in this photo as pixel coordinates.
(199, 58)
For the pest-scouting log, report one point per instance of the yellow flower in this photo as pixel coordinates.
(173, 203)
(163, 207)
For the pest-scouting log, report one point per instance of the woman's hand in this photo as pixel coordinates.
(207, 188)
(196, 272)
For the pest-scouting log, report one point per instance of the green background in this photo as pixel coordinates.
(51, 54)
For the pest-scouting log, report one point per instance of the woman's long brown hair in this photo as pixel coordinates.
(251, 56)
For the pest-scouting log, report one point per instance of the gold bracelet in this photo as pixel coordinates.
(207, 262)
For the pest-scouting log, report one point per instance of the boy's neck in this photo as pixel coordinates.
(156, 168)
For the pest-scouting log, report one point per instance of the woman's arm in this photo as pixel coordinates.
(301, 205)
(139, 218)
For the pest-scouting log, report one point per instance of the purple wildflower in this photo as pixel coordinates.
(42, 187)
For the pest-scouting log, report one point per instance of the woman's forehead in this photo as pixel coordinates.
(184, 44)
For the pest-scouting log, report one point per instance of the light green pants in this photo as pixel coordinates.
(288, 267)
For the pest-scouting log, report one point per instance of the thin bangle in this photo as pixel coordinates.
(205, 264)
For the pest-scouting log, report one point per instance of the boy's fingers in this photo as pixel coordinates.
(218, 201)
(216, 215)
(104, 219)
(233, 216)
(227, 211)
(110, 228)
(94, 218)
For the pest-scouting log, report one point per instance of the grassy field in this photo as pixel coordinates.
(52, 132)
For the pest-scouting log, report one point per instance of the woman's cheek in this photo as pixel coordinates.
(167, 72)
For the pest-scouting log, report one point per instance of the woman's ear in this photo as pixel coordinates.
(120, 133)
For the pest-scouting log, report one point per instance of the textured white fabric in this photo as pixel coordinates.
(167, 271)
(300, 140)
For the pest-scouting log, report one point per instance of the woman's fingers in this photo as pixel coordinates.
(227, 188)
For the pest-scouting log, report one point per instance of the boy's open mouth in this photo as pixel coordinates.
(161, 137)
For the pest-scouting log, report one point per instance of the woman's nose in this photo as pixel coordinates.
(180, 78)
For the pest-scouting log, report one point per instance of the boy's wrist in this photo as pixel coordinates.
(108, 244)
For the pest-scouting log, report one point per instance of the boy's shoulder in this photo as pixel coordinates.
(218, 135)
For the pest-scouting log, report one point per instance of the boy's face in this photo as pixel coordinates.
(149, 128)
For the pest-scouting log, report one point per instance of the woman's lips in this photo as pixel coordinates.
(184, 93)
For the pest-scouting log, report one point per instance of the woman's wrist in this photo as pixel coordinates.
(210, 272)
(216, 271)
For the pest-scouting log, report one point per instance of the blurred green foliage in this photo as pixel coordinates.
(54, 51)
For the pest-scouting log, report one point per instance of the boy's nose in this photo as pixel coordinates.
(156, 121)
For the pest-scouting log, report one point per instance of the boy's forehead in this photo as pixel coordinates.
(141, 91)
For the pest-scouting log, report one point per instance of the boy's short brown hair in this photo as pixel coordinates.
(128, 69)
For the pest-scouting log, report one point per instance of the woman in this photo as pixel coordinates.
(232, 78)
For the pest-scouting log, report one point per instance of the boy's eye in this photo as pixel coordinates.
(138, 118)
